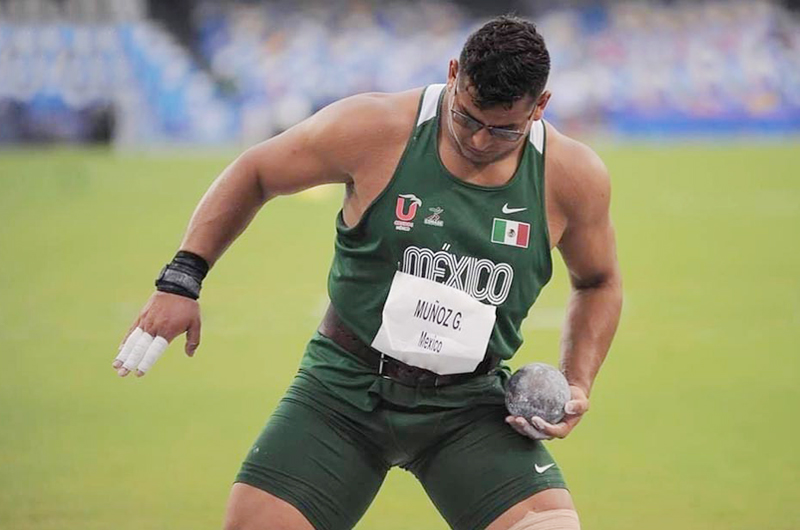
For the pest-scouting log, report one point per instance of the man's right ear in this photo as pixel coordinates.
(452, 73)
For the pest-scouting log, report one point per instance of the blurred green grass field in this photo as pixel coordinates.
(694, 416)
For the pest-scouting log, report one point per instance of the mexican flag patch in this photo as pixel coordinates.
(511, 233)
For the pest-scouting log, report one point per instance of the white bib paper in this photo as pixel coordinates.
(432, 326)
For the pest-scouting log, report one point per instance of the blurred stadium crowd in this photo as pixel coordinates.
(100, 70)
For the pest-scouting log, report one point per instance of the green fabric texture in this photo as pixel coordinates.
(443, 217)
(353, 381)
(338, 430)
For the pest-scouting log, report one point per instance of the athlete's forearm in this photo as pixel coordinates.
(225, 210)
(592, 317)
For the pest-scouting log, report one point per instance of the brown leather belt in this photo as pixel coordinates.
(336, 330)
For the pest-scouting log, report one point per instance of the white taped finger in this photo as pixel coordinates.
(128, 346)
(138, 351)
(154, 353)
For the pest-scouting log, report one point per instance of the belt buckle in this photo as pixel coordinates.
(381, 363)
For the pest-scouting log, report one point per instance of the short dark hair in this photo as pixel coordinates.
(505, 60)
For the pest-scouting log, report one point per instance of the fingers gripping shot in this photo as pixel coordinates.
(537, 393)
(455, 196)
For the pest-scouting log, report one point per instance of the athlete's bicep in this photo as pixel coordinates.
(589, 253)
(325, 148)
(291, 162)
(588, 244)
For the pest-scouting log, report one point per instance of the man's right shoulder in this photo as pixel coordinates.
(353, 130)
(373, 115)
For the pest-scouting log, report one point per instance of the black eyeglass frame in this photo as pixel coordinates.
(473, 125)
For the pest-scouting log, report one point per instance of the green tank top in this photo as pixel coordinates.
(489, 242)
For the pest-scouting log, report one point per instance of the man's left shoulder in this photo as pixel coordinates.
(578, 178)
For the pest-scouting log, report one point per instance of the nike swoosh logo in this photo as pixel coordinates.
(542, 469)
(507, 210)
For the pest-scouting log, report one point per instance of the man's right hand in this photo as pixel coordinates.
(164, 317)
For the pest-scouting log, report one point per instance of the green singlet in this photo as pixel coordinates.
(448, 271)
(491, 243)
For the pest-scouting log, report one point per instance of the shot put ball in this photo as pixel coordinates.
(537, 389)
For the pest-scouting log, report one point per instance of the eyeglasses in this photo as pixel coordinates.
(473, 125)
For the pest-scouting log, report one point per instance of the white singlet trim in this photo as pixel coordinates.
(429, 103)
(537, 135)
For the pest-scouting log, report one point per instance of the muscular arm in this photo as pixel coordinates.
(589, 251)
(582, 197)
(328, 147)
(317, 151)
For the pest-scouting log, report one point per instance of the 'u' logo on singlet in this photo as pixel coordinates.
(400, 209)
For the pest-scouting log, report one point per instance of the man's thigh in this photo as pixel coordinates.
(551, 508)
(316, 457)
(250, 508)
(482, 468)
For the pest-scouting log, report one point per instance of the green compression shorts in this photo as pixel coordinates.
(327, 448)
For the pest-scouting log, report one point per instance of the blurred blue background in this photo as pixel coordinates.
(134, 72)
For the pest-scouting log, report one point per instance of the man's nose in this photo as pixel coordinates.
(481, 139)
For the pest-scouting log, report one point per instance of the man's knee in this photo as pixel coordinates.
(564, 519)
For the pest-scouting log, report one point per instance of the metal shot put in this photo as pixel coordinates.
(537, 390)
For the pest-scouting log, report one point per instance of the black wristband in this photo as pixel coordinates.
(183, 275)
